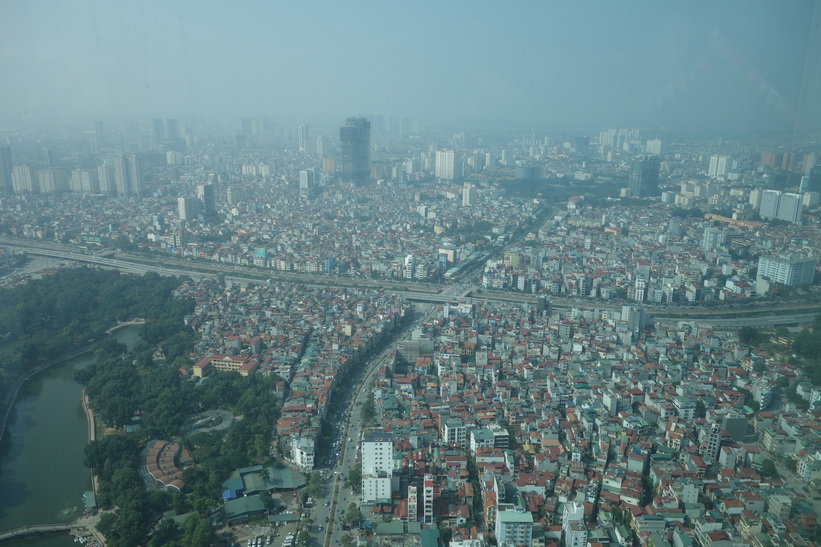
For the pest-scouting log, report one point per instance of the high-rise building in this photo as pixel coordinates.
(427, 501)
(769, 204)
(719, 166)
(208, 204)
(120, 164)
(321, 145)
(23, 179)
(128, 175)
(105, 176)
(790, 208)
(787, 270)
(304, 132)
(582, 143)
(355, 140)
(644, 178)
(98, 132)
(413, 504)
(307, 181)
(188, 208)
(469, 196)
(234, 194)
(377, 466)
(136, 184)
(635, 319)
(84, 181)
(6, 169)
(713, 441)
(654, 147)
(711, 239)
(755, 198)
(52, 181)
(172, 129)
(158, 130)
(410, 266)
(781, 205)
(446, 164)
(814, 179)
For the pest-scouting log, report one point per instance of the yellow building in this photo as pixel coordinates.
(224, 363)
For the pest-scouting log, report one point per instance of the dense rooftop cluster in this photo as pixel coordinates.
(506, 423)
(644, 255)
(597, 423)
(308, 336)
(354, 231)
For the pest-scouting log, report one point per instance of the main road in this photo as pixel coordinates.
(352, 429)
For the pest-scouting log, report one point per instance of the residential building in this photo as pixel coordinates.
(790, 207)
(768, 207)
(446, 164)
(575, 535)
(712, 239)
(781, 205)
(791, 271)
(427, 500)
(302, 451)
(719, 166)
(469, 196)
(188, 208)
(377, 466)
(23, 179)
(514, 528)
(455, 432)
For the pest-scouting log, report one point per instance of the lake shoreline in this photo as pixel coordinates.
(92, 434)
(11, 396)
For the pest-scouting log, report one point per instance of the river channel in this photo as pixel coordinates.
(42, 476)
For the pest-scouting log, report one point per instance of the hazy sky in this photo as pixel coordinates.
(637, 62)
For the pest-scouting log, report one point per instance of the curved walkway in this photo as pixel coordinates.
(11, 396)
(34, 530)
(87, 524)
(92, 434)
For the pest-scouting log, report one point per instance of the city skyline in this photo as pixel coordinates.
(694, 65)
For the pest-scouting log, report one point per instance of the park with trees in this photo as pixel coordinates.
(70, 311)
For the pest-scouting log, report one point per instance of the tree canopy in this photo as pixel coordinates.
(51, 317)
(808, 345)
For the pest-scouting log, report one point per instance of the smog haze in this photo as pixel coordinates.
(735, 64)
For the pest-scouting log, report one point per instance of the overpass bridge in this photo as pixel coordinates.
(731, 319)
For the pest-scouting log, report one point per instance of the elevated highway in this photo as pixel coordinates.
(763, 314)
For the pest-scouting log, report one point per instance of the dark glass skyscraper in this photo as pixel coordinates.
(644, 178)
(355, 136)
(814, 183)
(205, 192)
(5, 169)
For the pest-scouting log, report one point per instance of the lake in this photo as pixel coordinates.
(42, 476)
